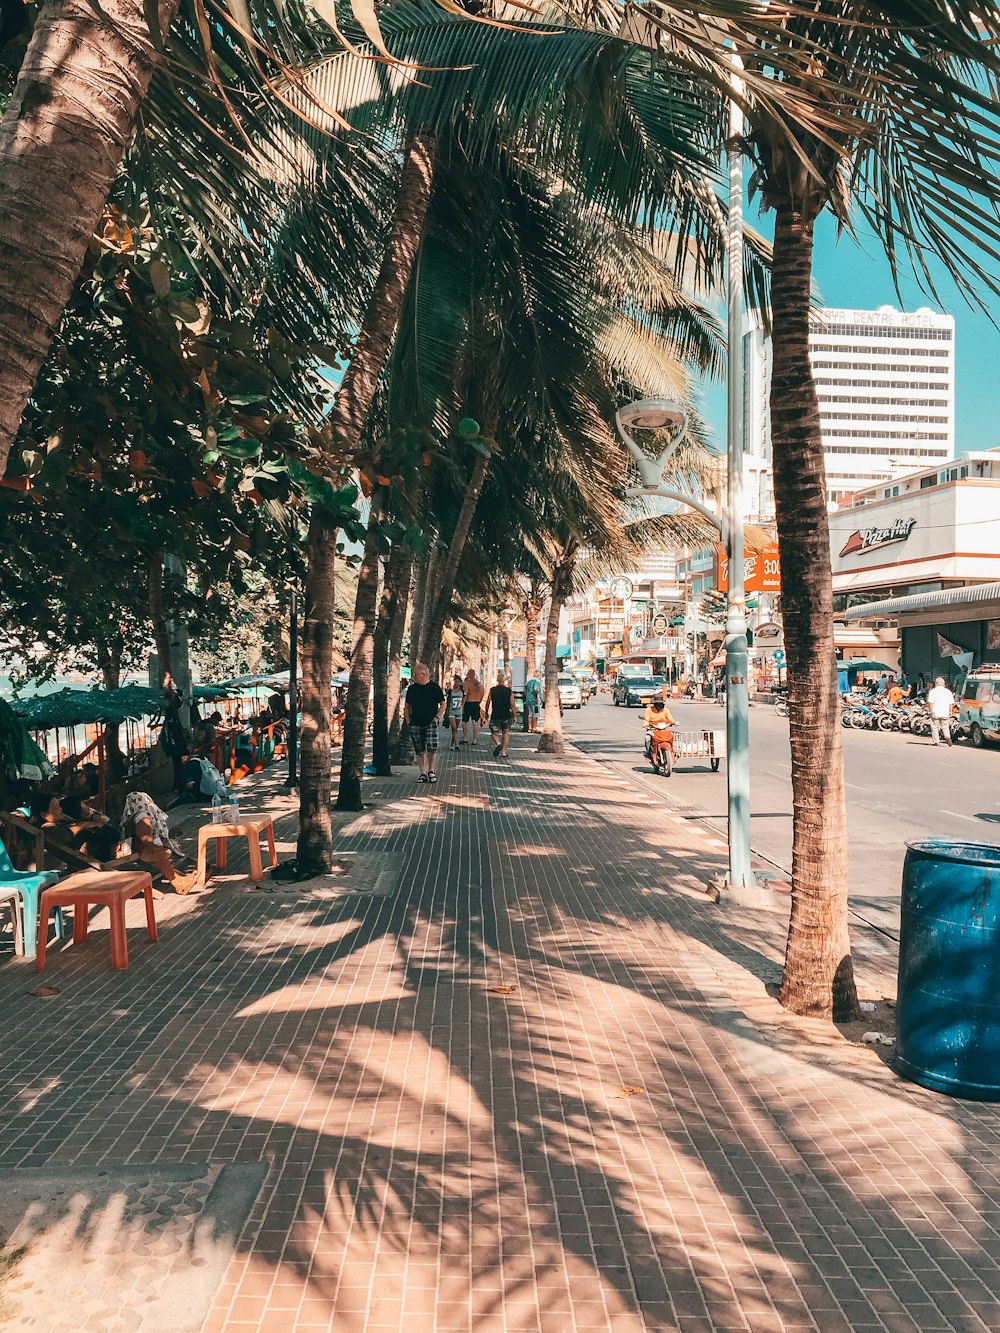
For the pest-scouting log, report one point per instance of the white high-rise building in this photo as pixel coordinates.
(886, 387)
(758, 485)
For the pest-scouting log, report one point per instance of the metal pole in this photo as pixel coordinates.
(293, 690)
(737, 663)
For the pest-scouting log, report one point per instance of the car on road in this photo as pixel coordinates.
(633, 691)
(570, 695)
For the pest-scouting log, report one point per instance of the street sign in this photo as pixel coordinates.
(659, 623)
(778, 657)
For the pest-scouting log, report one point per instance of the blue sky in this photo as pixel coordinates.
(855, 274)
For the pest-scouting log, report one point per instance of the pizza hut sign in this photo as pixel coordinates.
(871, 539)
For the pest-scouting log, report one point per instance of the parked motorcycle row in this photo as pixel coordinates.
(860, 715)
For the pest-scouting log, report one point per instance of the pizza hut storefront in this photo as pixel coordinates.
(928, 562)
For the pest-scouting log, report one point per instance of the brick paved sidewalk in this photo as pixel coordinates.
(511, 1071)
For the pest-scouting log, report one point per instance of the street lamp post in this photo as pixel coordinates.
(658, 414)
(737, 661)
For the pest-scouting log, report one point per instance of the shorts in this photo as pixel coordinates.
(498, 725)
(533, 710)
(424, 739)
(472, 712)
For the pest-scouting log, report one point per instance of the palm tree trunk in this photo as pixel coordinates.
(109, 660)
(158, 618)
(442, 598)
(352, 755)
(421, 636)
(315, 698)
(388, 638)
(84, 75)
(348, 418)
(551, 739)
(418, 600)
(819, 975)
(172, 736)
(532, 610)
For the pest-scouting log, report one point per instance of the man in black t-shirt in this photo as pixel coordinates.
(500, 710)
(425, 705)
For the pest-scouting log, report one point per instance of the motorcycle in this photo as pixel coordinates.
(661, 748)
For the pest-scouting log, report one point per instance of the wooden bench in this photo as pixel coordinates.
(111, 889)
(49, 840)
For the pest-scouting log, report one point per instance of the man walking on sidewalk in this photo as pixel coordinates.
(500, 711)
(940, 702)
(425, 705)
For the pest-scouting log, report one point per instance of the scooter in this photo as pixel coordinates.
(661, 748)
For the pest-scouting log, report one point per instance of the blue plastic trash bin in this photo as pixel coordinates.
(948, 1017)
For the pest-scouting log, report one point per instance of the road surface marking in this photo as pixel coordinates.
(955, 815)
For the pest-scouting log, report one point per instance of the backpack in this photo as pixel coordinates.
(211, 783)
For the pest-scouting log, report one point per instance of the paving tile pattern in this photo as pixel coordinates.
(506, 1075)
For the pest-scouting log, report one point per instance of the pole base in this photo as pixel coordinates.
(756, 895)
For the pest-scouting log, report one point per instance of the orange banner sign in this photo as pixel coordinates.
(761, 570)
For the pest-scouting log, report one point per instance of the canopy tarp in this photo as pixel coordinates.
(865, 664)
(74, 708)
(19, 755)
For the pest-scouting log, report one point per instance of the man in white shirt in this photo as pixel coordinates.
(940, 702)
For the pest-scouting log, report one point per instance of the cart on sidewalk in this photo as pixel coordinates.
(705, 744)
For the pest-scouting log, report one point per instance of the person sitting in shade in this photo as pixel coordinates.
(145, 826)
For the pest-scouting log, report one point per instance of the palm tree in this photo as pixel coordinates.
(904, 73)
(346, 425)
(233, 84)
(502, 297)
(888, 110)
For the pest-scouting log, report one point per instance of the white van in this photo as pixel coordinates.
(979, 706)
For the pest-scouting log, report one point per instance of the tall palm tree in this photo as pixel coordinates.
(887, 110)
(501, 284)
(905, 71)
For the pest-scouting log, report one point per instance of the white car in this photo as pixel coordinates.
(570, 694)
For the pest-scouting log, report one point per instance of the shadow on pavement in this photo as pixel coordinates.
(612, 1137)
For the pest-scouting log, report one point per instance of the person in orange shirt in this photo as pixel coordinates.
(656, 712)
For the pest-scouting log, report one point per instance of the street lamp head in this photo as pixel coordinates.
(653, 414)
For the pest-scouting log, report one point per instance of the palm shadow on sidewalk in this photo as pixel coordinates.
(411, 1113)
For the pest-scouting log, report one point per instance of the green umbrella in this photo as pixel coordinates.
(20, 756)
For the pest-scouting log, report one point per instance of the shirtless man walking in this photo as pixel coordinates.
(472, 709)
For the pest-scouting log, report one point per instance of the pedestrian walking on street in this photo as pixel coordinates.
(940, 702)
(500, 711)
(472, 709)
(425, 705)
(456, 703)
(533, 700)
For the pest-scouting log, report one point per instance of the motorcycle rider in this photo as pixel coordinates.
(656, 712)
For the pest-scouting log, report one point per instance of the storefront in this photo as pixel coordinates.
(920, 557)
(939, 629)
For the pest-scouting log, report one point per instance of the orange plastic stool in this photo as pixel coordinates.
(101, 888)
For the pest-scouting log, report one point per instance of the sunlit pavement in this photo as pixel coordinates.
(510, 1071)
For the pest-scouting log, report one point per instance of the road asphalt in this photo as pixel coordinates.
(898, 789)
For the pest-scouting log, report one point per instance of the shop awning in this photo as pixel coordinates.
(926, 601)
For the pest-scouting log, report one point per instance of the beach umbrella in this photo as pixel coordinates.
(20, 756)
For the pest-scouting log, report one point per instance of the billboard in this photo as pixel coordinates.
(761, 570)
